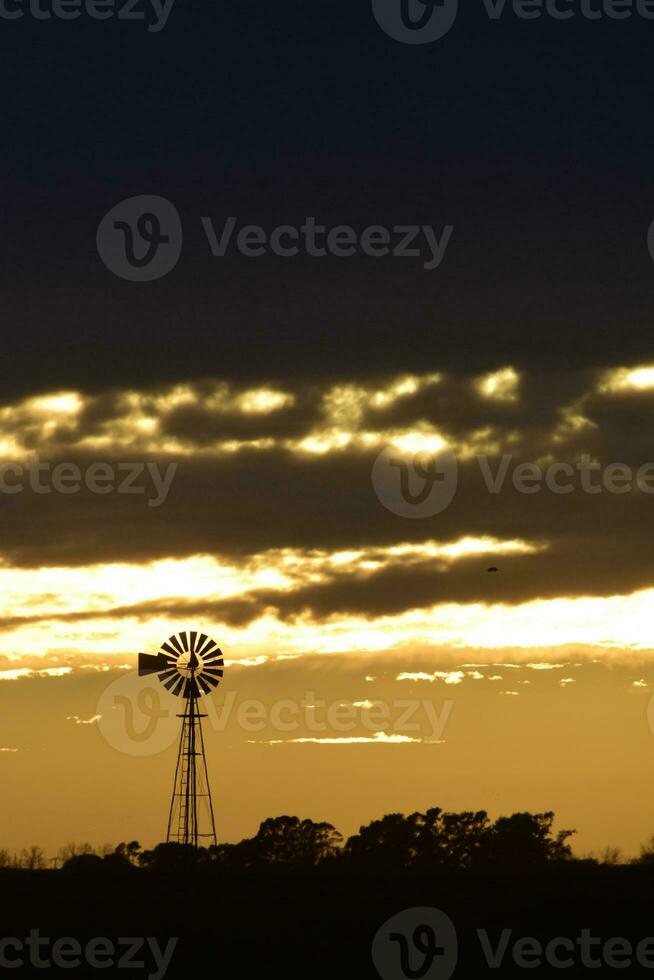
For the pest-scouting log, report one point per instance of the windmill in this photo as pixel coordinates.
(189, 664)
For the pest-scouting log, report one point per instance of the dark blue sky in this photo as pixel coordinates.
(532, 138)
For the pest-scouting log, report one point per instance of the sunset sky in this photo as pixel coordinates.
(251, 397)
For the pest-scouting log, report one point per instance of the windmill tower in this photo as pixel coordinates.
(189, 664)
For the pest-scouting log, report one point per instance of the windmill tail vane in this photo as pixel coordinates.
(189, 665)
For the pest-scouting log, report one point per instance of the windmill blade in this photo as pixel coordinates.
(206, 689)
(213, 681)
(175, 642)
(148, 664)
(184, 638)
(203, 640)
(179, 685)
(192, 636)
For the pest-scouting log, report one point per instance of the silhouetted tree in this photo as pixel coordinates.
(453, 840)
(227, 855)
(611, 856)
(387, 843)
(288, 841)
(32, 858)
(524, 840)
(646, 855)
(457, 840)
(84, 863)
(124, 856)
(172, 856)
(422, 841)
(72, 850)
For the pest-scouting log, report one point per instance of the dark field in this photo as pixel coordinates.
(322, 924)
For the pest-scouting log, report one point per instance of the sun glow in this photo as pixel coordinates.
(628, 379)
(501, 386)
(63, 403)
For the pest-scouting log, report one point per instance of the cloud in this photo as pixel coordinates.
(379, 738)
(22, 672)
(273, 492)
(450, 677)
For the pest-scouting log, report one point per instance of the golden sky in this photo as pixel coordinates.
(252, 514)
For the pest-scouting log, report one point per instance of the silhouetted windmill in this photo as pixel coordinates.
(188, 664)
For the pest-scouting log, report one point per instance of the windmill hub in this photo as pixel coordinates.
(188, 662)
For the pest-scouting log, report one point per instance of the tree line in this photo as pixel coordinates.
(431, 840)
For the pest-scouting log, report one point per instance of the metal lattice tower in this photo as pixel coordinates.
(189, 665)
